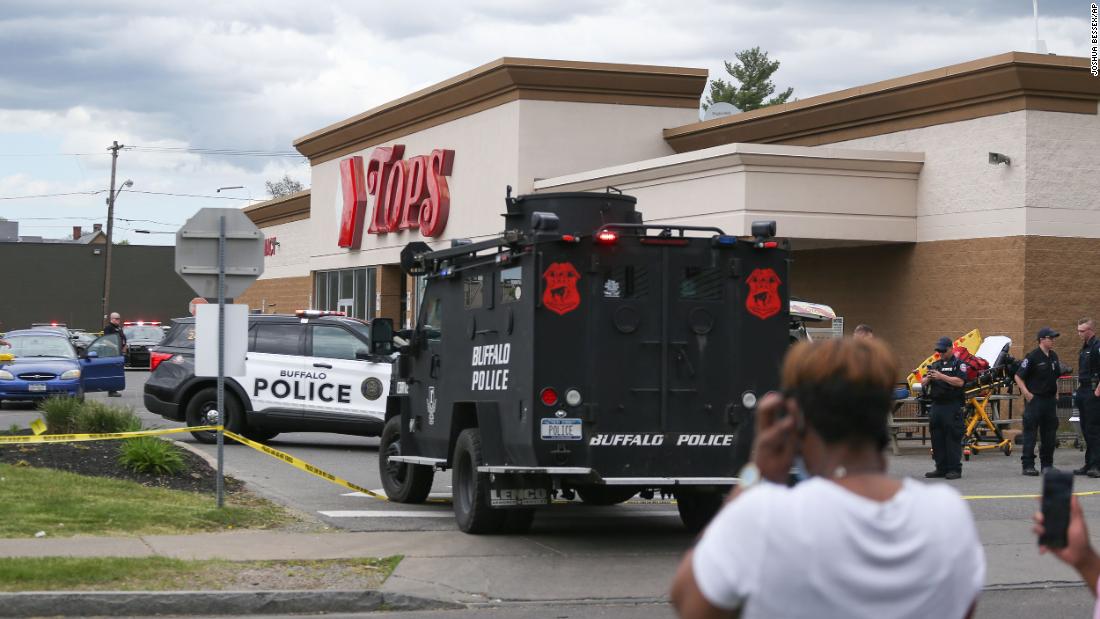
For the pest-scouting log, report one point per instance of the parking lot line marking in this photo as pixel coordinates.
(359, 513)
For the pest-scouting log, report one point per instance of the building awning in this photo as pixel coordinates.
(818, 194)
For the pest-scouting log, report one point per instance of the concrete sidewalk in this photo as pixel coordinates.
(439, 565)
(471, 569)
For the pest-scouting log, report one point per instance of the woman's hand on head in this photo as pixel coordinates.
(776, 444)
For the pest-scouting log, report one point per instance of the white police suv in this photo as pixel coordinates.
(311, 372)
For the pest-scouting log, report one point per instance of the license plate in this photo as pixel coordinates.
(34, 387)
(561, 429)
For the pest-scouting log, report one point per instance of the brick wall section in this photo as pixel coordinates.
(912, 294)
(287, 293)
(1063, 285)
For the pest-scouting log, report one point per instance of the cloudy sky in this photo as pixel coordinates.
(177, 80)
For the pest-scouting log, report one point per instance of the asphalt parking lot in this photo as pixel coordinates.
(1021, 583)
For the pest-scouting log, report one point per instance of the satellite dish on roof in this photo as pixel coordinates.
(720, 110)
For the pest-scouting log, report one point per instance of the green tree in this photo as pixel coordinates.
(752, 72)
(283, 187)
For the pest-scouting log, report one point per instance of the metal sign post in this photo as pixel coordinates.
(240, 260)
(221, 360)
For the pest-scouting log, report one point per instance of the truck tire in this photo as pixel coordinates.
(470, 490)
(697, 508)
(205, 401)
(403, 483)
(606, 495)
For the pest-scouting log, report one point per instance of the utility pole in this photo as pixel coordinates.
(114, 148)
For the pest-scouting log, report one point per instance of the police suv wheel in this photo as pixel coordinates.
(470, 489)
(202, 411)
(259, 435)
(403, 483)
(697, 508)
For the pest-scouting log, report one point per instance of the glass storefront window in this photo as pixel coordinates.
(348, 290)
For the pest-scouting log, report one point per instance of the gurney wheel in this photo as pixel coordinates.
(966, 454)
(1007, 448)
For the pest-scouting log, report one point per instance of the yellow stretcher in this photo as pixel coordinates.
(982, 432)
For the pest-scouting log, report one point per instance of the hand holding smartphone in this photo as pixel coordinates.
(1057, 491)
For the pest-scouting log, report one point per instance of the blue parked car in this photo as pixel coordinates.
(37, 364)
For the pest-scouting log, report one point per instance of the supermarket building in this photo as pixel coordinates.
(896, 214)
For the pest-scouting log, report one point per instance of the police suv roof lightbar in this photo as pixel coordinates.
(141, 323)
(317, 313)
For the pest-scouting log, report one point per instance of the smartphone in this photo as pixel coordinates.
(1057, 490)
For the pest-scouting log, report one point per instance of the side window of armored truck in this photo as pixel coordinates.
(701, 284)
(625, 282)
(432, 318)
(279, 339)
(473, 291)
(336, 343)
(511, 283)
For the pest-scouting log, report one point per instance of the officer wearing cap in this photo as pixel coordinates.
(943, 384)
(1037, 378)
(1088, 395)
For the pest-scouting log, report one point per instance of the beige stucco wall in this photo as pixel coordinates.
(511, 144)
(1050, 188)
(1063, 174)
(291, 257)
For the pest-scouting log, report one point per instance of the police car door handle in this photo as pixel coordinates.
(322, 365)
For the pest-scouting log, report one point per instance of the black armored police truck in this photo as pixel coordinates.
(583, 352)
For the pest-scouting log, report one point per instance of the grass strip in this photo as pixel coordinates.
(21, 574)
(63, 504)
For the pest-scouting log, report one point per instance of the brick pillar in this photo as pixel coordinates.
(390, 293)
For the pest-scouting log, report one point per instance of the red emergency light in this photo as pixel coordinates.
(548, 396)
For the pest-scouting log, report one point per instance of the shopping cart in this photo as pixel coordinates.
(1069, 421)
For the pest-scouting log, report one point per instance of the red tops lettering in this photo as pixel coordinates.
(408, 193)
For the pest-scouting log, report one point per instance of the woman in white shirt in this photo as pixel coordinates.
(848, 542)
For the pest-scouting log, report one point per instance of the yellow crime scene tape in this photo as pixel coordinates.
(73, 438)
(300, 464)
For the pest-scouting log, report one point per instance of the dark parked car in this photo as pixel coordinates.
(140, 338)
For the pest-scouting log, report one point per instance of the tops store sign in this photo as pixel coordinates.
(408, 194)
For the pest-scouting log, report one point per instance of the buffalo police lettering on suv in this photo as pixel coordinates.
(311, 372)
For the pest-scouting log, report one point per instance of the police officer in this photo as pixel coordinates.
(944, 386)
(1088, 395)
(1037, 378)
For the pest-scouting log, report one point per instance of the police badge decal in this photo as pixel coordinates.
(763, 299)
(561, 296)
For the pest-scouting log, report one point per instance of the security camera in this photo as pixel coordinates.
(997, 158)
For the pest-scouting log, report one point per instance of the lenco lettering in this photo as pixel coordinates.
(656, 440)
(297, 390)
(490, 380)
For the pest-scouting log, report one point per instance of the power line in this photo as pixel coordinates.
(56, 195)
(53, 154)
(215, 151)
(183, 195)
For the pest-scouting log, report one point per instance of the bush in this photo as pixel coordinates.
(71, 416)
(62, 414)
(98, 418)
(149, 454)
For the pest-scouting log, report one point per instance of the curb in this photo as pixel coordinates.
(207, 603)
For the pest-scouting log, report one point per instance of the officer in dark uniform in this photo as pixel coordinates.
(1088, 395)
(943, 384)
(1038, 382)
